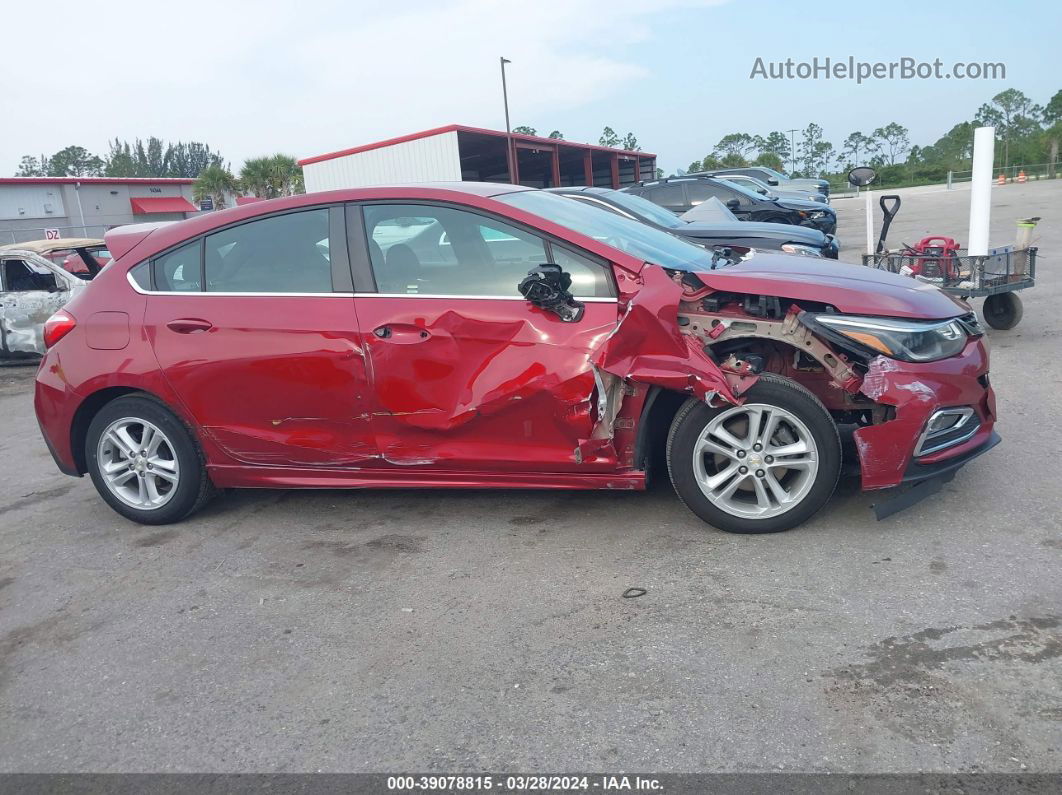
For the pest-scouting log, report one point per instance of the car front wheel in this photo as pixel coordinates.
(145, 463)
(761, 467)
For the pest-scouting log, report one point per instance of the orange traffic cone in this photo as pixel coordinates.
(1021, 176)
(1002, 180)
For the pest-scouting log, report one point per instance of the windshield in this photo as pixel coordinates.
(632, 237)
(644, 208)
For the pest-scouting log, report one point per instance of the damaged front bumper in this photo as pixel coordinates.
(888, 451)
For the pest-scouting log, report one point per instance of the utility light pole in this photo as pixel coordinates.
(508, 130)
(792, 150)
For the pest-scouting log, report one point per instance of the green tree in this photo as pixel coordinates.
(1015, 117)
(815, 152)
(734, 146)
(630, 143)
(120, 160)
(856, 148)
(769, 160)
(1053, 109)
(523, 129)
(608, 137)
(733, 160)
(557, 134)
(273, 176)
(893, 141)
(695, 166)
(74, 161)
(776, 143)
(215, 183)
(30, 166)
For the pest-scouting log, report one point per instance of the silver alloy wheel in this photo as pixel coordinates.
(138, 463)
(755, 461)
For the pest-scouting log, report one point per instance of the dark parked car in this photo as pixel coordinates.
(749, 234)
(491, 336)
(679, 194)
(776, 179)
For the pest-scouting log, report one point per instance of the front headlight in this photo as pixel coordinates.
(909, 340)
(797, 248)
(818, 214)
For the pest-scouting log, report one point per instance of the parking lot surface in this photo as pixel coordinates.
(446, 631)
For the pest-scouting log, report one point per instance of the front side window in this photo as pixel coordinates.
(280, 254)
(20, 277)
(428, 250)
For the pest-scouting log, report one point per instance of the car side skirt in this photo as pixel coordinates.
(225, 476)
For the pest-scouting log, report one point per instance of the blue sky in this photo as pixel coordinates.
(698, 61)
(254, 78)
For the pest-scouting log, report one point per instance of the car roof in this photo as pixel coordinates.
(143, 241)
(580, 189)
(46, 246)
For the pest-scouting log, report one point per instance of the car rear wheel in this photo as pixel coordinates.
(762, 467)
(145, 463)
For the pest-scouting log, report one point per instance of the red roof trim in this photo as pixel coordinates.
(242, 200)
(146, 205)
(462, 128)
(96, 180)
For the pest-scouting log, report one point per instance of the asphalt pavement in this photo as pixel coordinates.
(474, 630)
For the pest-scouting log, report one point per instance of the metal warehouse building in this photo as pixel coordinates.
(456, 152)
(32, 208)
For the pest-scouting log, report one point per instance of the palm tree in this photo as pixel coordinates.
(256, 176)
(288, 174)
(214, 182)
(270, 177)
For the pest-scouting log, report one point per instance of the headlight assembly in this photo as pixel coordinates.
(797, 248)
(908, 340)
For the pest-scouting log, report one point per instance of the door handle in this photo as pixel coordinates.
(402, 333)
(189, 325)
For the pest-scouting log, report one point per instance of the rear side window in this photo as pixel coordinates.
(281, 254)
(178, 271)
(141, 275)
(671, 196)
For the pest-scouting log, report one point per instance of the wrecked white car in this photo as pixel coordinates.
(31, 290)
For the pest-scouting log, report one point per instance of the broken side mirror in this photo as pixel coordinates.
(547, 287)
(772, 182)
(733, 204)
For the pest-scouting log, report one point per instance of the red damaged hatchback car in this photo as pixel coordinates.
(492, 336)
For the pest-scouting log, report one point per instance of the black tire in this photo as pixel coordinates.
(777, 219)
(193, 489)
(1002, 311)
(772, 390)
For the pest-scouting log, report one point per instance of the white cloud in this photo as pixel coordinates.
(303, 78)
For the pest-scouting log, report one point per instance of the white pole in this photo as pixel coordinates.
(870, 220)
(981, 190)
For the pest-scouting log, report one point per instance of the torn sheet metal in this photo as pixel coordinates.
(23, 310)
(648, 346)
(916, 391)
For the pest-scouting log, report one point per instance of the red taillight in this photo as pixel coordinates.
(58, 326)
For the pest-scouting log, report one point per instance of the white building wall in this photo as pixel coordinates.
(23, 202)
(432, 159)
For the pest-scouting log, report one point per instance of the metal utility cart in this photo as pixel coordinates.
(996, 276)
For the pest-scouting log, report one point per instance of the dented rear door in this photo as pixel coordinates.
(254, 329)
